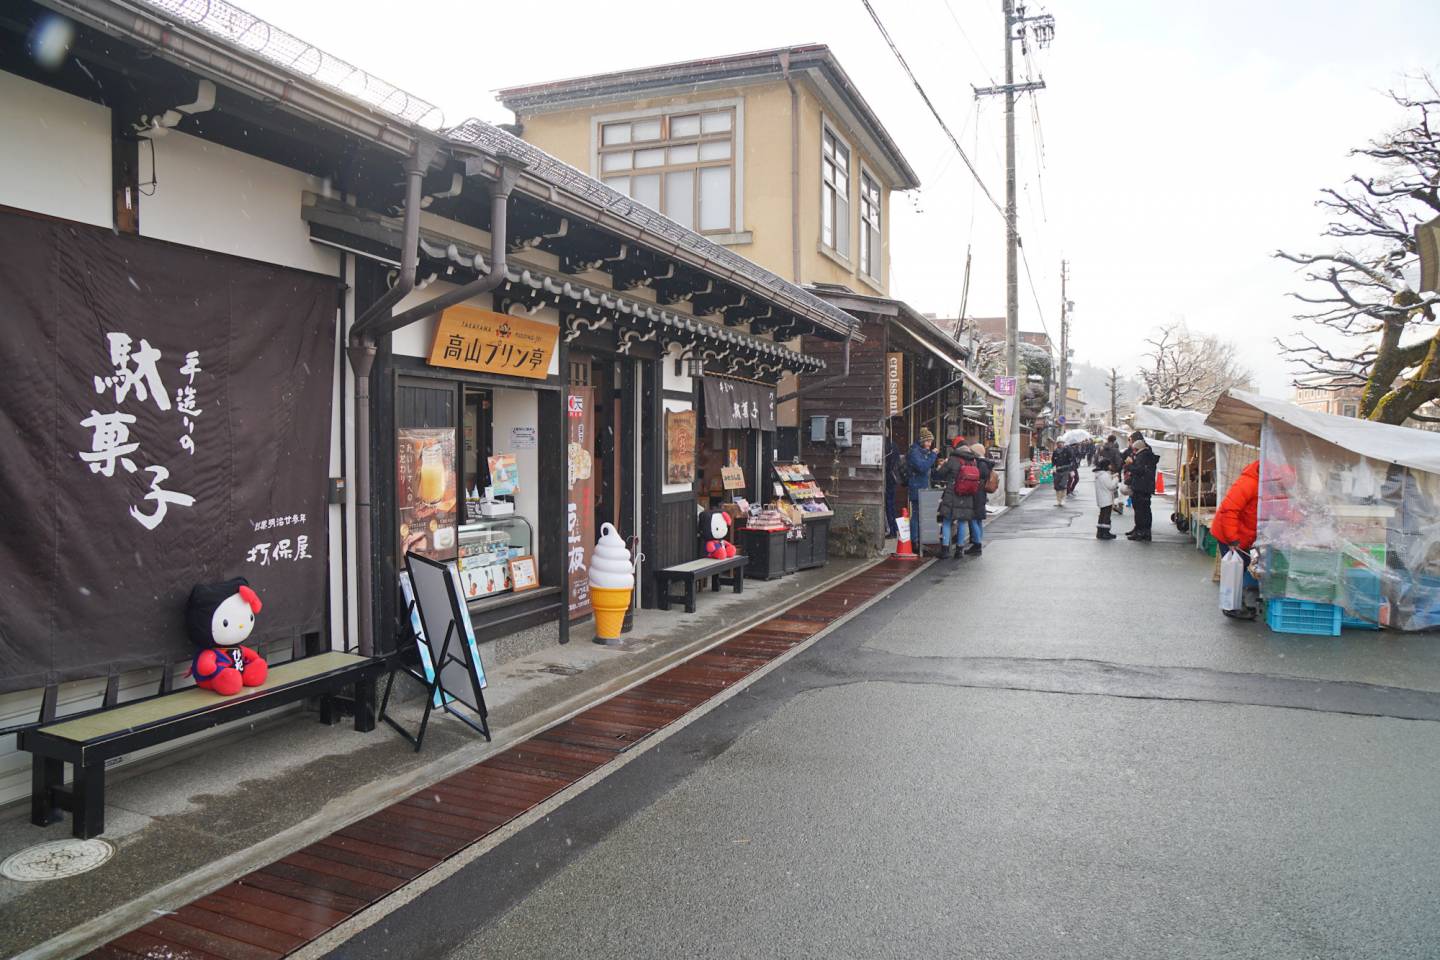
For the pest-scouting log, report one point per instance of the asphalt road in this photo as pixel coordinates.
(1061, 749)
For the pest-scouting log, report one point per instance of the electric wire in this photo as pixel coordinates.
(984, 67)
(934, 112)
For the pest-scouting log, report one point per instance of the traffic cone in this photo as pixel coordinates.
(903, 550)
(1159, 481)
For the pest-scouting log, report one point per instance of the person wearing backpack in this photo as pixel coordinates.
(916, 469)
(959, 480)
(989, 483)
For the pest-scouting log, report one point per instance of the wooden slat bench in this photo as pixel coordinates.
(695, 570)
(89, 739)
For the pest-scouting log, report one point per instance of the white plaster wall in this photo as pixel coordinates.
(216, 198)
(54, 152)
(520, 408)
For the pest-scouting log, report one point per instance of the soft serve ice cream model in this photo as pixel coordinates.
(612, 582)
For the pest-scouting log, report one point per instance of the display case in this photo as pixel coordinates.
(486, 548)
(798, 486)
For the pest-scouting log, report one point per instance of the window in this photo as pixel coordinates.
(835, 194)
(681, 164)
(1351, 410)
(869, 227)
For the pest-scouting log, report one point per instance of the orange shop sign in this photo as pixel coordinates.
(470, 339)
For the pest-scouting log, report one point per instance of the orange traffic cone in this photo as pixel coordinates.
(1159, 481)
(903, 550)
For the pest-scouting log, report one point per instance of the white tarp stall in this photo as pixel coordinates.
(1209, 462)
(1349, 510)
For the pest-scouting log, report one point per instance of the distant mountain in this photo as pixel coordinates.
(1094, 384)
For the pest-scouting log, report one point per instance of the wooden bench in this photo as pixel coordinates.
(689, 573)
(88, 739)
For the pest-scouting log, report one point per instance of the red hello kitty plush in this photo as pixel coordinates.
(220, 618)
(717, 522)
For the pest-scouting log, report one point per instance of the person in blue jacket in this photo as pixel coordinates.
(919, 462)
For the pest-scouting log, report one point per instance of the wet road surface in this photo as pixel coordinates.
(1061, 749)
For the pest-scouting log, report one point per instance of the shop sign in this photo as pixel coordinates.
(168, 414)
(580, 522)
(1005, 386)
(894, 384)
(733, 478)
(522, 438)
(467, 338)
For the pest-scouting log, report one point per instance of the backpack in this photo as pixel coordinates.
(967, 480)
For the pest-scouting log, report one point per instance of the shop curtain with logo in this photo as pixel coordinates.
(164, 421)
(738, 405)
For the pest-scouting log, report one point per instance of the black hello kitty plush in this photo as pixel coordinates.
(220, 617)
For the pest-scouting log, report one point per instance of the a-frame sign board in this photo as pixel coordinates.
(454, 673)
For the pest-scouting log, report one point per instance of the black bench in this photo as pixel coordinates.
(689, 573)
(86, 740)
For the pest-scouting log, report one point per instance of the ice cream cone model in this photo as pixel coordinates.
(612, 582)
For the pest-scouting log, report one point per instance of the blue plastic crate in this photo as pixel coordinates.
(1287, 615)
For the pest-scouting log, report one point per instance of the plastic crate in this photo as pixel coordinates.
(1376, 552)
(1303, 574)
(1289, 615)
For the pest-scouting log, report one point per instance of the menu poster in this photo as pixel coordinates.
(580, 524)
(425, 491)
(504, 474)
(679, 446)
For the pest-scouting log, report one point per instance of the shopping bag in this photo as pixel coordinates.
(1232, 581)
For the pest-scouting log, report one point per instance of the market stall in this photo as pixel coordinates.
(1348, 517)
(1207, 463)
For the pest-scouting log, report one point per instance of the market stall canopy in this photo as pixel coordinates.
(1240, 414)
(1178, 422)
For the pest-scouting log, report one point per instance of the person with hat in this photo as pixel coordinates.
(982, 499)
(959, 479)
(919, 462)
(1141, 464)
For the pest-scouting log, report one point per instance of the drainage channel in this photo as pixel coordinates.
(279, 908)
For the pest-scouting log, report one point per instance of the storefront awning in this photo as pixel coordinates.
(965, 374)
(1184, 423)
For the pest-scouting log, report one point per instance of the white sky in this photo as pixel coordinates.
(1183, 144)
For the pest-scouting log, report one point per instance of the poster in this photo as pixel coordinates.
(167, 423)
(522, 438)
(679, 446)
(504, 474)
(872, 449)
(580, 524)
(894, 384)
(468, 338)
(425, 491)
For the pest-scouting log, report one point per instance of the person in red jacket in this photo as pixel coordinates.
(1234, 523)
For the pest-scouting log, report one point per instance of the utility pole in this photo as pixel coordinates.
(1064, 346)
(1114, 383)
(1017, 27)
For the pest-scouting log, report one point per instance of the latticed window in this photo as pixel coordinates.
(681, 164)
(870, 251)
(835, 194)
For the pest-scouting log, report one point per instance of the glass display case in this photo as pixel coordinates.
(486, 548)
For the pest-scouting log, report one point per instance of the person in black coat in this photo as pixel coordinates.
(1142, 464)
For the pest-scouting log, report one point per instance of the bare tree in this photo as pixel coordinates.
(989, 359)
(1191, 371)
(1361, 291)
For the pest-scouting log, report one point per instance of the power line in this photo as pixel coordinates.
(989, 74)
(1039, 310)
(936, 113)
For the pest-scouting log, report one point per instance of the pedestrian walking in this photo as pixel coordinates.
(989, 482)
(1107, 488)
(960, 479)
(919, 463)
(1074, 481)
(1062, 465)
(1142, 465)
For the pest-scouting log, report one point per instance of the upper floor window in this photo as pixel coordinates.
(1351, 410)
(835, 194)
(869, 226)
(682, 164)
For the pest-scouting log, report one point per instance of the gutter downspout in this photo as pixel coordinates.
(378, 322)
(794, 168)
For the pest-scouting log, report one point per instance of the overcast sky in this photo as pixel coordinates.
(1182, 143)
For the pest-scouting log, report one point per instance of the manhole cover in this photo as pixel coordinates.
(56, 859)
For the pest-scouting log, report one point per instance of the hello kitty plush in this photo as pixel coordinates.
(220, 618)
(717, 523)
